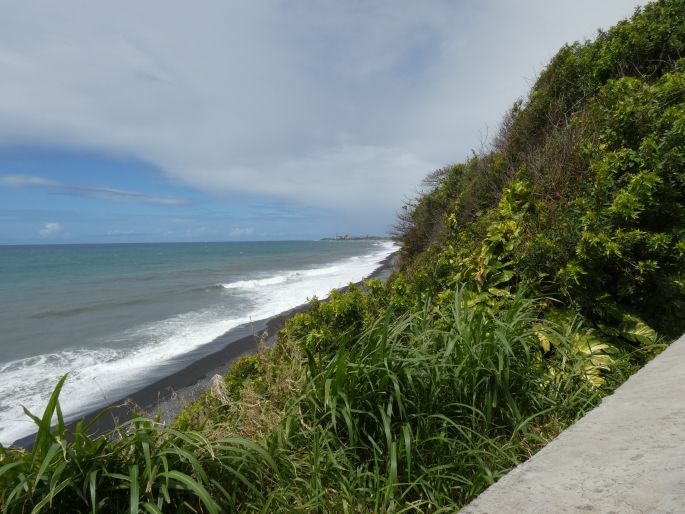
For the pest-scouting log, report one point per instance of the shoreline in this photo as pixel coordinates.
(168, 395)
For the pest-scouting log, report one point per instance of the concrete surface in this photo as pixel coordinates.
(625, 456)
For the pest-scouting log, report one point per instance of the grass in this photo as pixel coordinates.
(413, 416)
(142, 466)
(418, 414)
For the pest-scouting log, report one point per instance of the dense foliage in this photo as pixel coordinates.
(535, 278)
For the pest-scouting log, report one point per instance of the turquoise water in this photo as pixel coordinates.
(117, 317)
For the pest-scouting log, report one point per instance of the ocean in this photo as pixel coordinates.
(117, 317)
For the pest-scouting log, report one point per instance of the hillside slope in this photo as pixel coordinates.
(536, 277)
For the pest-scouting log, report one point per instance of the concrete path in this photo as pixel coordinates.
(625, 456)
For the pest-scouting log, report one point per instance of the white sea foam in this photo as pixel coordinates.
(288, 276)
(286, 290)
(99, 376)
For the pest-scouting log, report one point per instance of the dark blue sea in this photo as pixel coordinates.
(118, 317)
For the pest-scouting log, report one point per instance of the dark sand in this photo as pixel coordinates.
(167, 396)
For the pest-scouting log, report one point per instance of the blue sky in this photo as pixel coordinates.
(172, 121)
(64, 196)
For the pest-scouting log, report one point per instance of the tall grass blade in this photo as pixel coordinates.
(194, 486)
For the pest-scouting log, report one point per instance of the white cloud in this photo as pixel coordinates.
(25, 181)
(50, 229)
(241, 231)
(106, 193)
(335, 104)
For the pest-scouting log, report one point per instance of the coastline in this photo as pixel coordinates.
(167, 396)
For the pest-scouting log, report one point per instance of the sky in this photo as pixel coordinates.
(221, 120)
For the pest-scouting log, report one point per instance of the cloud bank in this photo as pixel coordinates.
(335, 105)
(105, 193)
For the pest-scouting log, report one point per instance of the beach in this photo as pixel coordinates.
(167, 396)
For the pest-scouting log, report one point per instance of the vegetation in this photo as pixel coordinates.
(535, 278)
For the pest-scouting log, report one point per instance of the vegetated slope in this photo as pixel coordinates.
(582, 195)
(535, 279)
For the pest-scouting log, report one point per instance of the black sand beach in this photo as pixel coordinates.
(167, 396)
